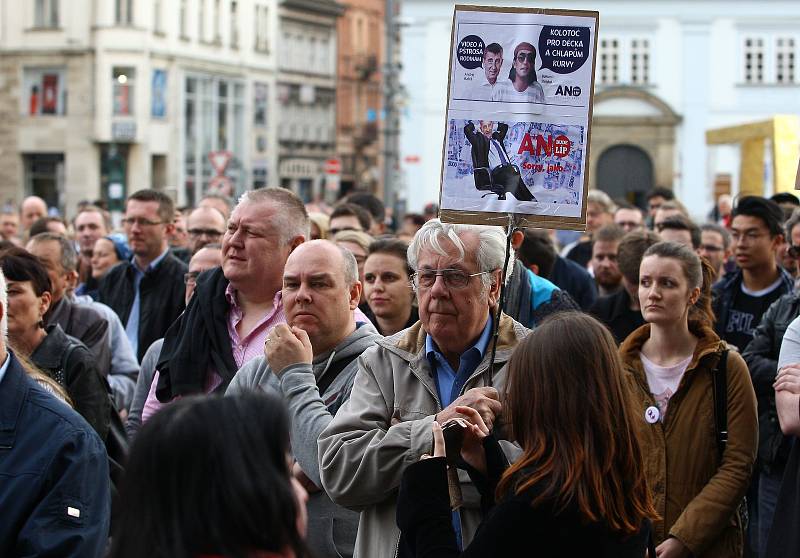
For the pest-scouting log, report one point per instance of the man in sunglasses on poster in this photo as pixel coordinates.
(522, 85)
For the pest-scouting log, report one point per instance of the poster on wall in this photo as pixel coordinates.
(519, 114)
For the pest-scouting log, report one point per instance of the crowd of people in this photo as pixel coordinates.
(267, 379)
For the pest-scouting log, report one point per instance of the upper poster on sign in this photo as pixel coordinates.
(518, 116)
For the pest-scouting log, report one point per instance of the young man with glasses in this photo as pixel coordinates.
(419, 375)
(522, 85)
(741, 299)
(147, 292)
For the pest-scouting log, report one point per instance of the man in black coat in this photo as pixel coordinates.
(147, 292)
(492, 167)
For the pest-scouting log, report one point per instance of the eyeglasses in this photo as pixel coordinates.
(750, 236)
(333, 232)
(190, 277)
(205, 232)
(522, 56)
(453, 278)
(141, 221)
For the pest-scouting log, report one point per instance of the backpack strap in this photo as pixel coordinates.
(719, 377)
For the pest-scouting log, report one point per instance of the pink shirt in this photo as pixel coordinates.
(244, 348)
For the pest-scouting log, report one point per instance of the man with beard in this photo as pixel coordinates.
(522, 85)
(604, 259)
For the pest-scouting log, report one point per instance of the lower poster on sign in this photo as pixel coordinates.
(508, 166)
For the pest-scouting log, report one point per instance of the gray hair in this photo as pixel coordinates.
(292, 221)
(350, 266)
(491, 245)
(69, 257)
(601, 198)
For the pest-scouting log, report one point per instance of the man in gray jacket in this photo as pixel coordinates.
(419, 375)
(310, 361)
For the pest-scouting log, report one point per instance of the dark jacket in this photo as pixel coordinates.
(761, 357)
(78, 375)
(511, 528)
(724, 291)
(50, 461)
(530, 298)
(615, 312)
(162, 297)
(574, 279)
(85, 324)
(197, 341)
(480, 152)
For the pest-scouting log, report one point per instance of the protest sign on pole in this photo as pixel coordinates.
(519, 113)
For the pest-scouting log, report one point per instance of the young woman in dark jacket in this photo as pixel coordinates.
(28, 287)
(579, 487)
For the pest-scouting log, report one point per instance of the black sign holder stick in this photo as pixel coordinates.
(512, 222)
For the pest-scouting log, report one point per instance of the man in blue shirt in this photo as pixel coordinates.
(419, 375)
(148, 292)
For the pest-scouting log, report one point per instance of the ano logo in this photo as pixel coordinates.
(568, 91)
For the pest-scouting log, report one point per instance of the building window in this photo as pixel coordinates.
(123, 82)
(261, 28)
(123, 12)
(784, 60)
(157, 22)
(754, 60)
(184, 15)
(640, 62)
(46, 13)
(44, 176)
(201, 20)
(234, 24)
(45, 91)
(260, 104)
(609, 61)
(213, 121)
(217, 20)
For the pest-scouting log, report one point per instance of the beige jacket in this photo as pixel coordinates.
(386, 426)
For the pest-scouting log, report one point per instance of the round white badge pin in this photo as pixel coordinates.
(652, 414)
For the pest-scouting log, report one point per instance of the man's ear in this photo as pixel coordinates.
(296, 241)
(355, 294)
(517, 237)
(534, 268)
(72, 279)
(494, 288)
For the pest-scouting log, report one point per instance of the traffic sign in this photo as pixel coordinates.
(333, 166)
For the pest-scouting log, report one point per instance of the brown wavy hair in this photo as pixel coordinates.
(569, 411)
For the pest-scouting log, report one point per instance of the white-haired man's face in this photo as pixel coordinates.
(453, 306)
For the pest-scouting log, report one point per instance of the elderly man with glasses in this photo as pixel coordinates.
(147, 292)
(419, 375)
